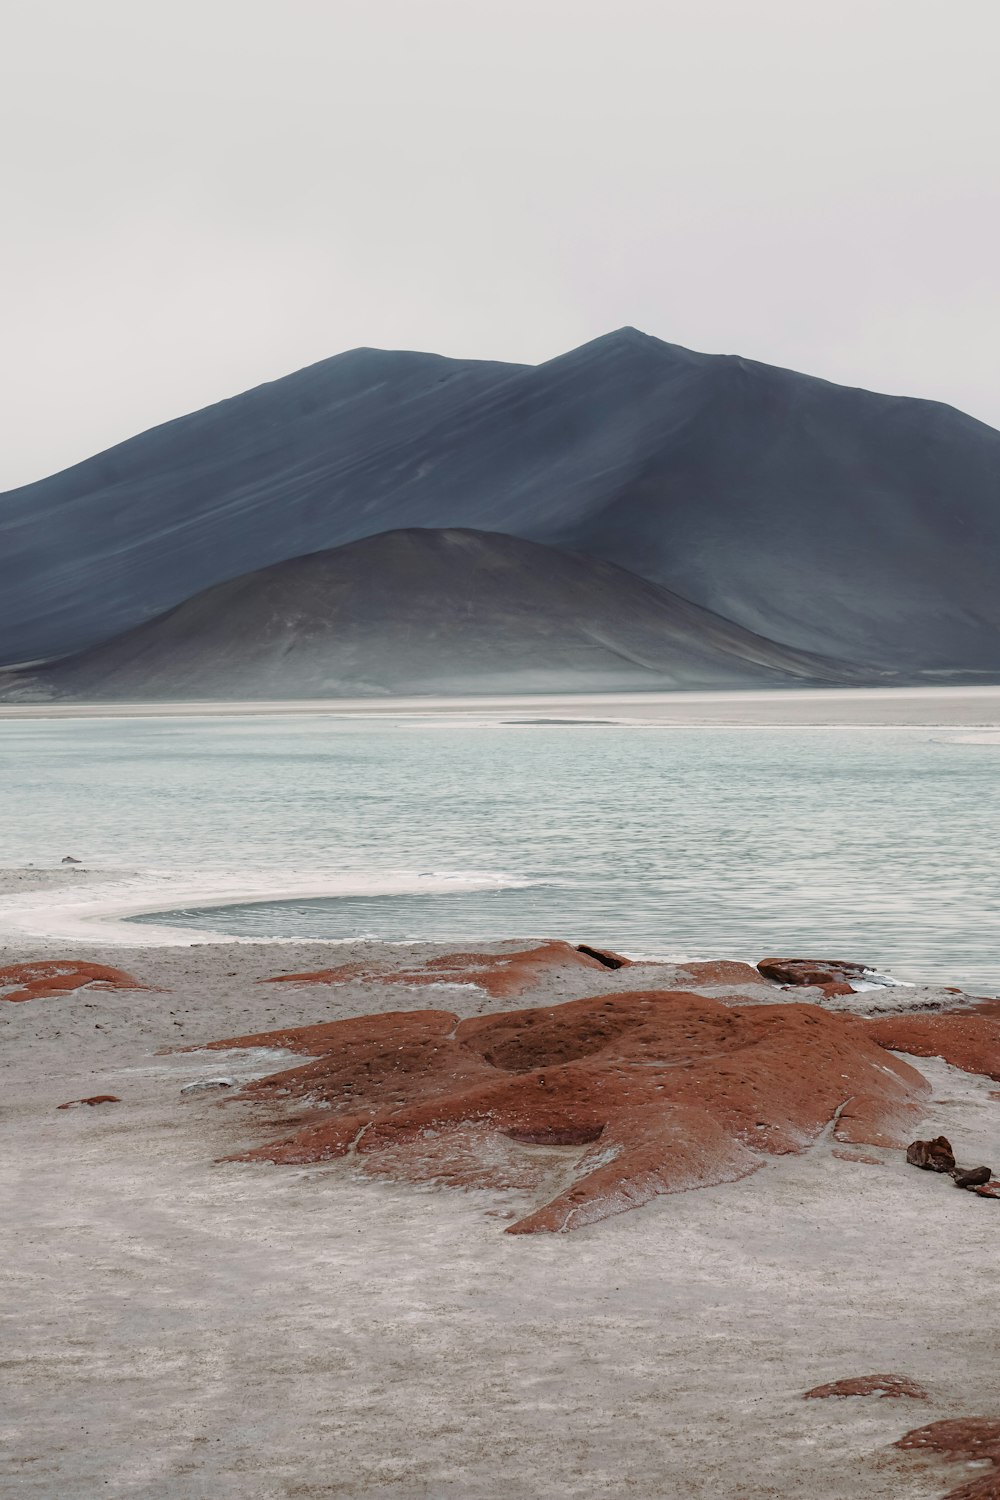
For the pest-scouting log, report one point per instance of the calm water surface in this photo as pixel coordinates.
(876, 844)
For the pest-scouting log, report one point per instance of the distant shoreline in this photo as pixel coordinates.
(931, 707)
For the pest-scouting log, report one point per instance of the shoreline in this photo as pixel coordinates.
(284, 1321)
(95, 903)
(932, 707)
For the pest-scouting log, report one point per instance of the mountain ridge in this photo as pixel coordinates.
(833, 520)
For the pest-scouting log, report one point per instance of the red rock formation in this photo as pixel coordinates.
(968, 1039)
(809, 971)
(39, 981)
(499, 974)
(970, 1440)
(892, 1386)
(857, 1156)
(94, 1099)
(663, 1090)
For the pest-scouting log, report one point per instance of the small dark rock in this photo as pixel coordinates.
(971, 1177)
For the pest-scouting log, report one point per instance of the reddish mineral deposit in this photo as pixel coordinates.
(969, 1440)
(499, 974)
(720, 971)
(857, 1156)
(969, 1040)
(94, 1099)
(39, 981)
(660, 1090)
(869, 1385)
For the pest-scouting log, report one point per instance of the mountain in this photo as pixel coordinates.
(425, 611)
(833, 520)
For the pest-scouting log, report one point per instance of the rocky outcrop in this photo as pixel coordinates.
(659, 1091)
(812, 971)
(968, 1039)
(498, 974)
(39, 981)
(891, 1386)
(966, 1440)
(720, 971)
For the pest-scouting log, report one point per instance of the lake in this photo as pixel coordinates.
(872, 843)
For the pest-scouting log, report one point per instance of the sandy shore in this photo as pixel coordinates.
(177, 1329)
(945, 706)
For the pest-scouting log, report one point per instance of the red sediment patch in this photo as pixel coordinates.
(811, 971)
(94, 1099)
(857, 1156)
(968, 1039)
(720, 971)
(970, 1440)
(893, 1386)
(39, 981)
(499, 974)
(660, 1091)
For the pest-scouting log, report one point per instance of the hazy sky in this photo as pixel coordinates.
(205, 194)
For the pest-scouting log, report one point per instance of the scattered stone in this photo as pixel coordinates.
(41, 980)
(659, 1090)
(208, 1083)
(972, 1440)
(971, 1177)
(812, 971)
(892, 1386)
(931, 1156)
(94, 1099)
(988, 1190)
(68, 859)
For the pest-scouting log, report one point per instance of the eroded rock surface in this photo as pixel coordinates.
(94, 1099)
(498, 974)
(968, 1039)
(893, 1386)
(660, 1090)
(969, 1440)
(40, 980)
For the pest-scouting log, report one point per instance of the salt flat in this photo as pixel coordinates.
(177, 1329)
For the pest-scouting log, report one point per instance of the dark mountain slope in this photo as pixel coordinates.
(425, 611)
(273, 473)
(835, 520)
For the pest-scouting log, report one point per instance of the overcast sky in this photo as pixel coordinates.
(205, 194)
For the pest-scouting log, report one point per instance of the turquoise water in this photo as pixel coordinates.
(875, 844)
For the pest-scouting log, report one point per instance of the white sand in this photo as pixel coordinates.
(175, 1329)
